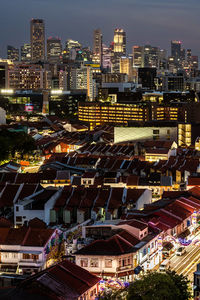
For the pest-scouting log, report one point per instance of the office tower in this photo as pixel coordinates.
(28, 77)
(37, 40)
(71, 44)
(188, 56)
(177, 53)
(195, 62)
(54, 49)
(146, 77)
(3, 75)
(107, 54)
(71, 47)
(138, 56)
(12, 53)
(162, 59)
(120, 41)
(119, 49)
(151, 55)
(26, 52)
(82, 78)
(126, 66)
(97, 46)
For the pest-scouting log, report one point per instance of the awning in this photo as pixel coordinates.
(30, 252)
(137, 270)
(184, 234)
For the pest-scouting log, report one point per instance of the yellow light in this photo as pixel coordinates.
(56, 92)
(3, 91)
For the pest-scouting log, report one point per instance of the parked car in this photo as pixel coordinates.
(164, 265)
(180, 251)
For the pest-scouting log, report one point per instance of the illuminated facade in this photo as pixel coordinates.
(26, 52)
(37, 40)
(126, 66)
(12, 53)
(120, 41)
(82, 78)
(28, 77)
(184, 134)
(119, 49)
(54, 50)
(98, 114)
(97, 46)
(138, 56)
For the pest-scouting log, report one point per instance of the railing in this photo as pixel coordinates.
(124, 268)
(30, 262)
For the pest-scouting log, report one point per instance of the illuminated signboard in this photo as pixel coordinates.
(29, 107)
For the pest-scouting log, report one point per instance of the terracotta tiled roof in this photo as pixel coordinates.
(115, 245)
(62, 281)
(25, 236)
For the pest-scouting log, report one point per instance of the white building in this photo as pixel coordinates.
(24, 249)
(141, 134)
(2, 116)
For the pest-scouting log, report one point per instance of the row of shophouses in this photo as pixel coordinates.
(136, 244)
(119, 248)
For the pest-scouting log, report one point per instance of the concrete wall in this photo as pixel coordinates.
(141, 134)
(2, 116)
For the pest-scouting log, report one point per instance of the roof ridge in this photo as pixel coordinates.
(117, 237)
(77, 276)
(26, 235)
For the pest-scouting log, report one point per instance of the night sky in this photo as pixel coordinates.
(145, 21)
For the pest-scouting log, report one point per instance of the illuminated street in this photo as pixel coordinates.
(186, 264)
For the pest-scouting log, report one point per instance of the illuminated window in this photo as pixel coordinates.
(84, 262)
(108, 263)
(94, 263)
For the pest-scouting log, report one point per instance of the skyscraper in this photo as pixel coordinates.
(54, 49)
(176, 51)
(138, 56)
(119, 49)
(97, 46)
(37, 40)
(26, 52)
(120, 41)
(12, 53)
(126, 66)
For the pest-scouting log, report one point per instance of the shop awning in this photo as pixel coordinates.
(184, 234)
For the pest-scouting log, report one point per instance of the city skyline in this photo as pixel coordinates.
(143, 21)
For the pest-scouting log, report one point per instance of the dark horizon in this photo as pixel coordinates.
(145, 21)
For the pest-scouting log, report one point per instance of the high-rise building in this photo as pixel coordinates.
(37, 40)
(119, 49)
(177, 53)
(12, 53)
(82, 78)
(120, 41)
(126, 66)
(97, 46)
(28, 77)
(138, 56)
(176, 49)
(71, 44)
(146, 77)
(54, 49)
(151, 56)
(107, 54)
(4, 74)
(26, 52)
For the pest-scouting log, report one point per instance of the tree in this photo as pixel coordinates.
(182, 283)
(160, 286)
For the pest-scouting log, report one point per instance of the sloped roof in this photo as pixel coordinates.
(62, 281)
(116, 245)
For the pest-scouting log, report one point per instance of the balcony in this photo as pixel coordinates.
(124, 268)
(30, 262)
